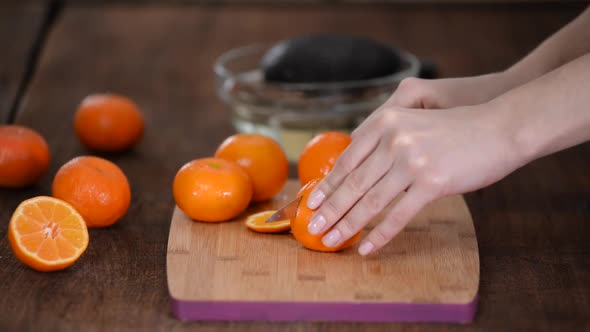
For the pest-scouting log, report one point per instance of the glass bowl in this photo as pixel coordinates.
(292, 113)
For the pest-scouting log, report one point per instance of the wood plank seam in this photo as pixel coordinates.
(52, 11)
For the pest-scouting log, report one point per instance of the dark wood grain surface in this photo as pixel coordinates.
(532, 227)
(19, 29)
(296, 2)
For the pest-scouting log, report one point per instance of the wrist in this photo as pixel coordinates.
(511, 122)
(513, 77)
(504, 81)
(493, 85)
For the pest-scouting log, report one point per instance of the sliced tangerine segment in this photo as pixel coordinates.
(47, 234)
(32, 242)
(46, 207)
(61, 213)
(256, 222)
(74, 237)
(48, 250)
(34, 214)
(25, 225)
(70, 223)
(66, 248)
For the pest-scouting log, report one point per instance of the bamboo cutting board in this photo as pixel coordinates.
(224, 271)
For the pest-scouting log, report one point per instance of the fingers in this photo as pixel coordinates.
(348, 161)
(372, 203)
(353, 187)
(396, 219)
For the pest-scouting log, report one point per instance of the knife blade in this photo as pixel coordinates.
(288, 211)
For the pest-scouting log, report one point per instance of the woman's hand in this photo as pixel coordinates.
(536, 107)
(428, 153)
(450, 92)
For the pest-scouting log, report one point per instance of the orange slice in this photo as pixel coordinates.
(47, 234)
(256, 223)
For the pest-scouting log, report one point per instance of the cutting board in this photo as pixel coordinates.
(224, 271)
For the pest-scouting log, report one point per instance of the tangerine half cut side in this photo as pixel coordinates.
(47, 234)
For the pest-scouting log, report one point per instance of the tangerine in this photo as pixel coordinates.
(47, 234)
(108, 123)
(24, 156)
(212, 189)
(304, 214)
(320, 155)
(97, 188)
(262, 158)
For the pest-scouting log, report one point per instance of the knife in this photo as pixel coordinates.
(288, 211)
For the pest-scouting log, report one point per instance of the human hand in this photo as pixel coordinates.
(431, 153)
(449, 92)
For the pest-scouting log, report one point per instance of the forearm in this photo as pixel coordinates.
(569, 43)
(550, 113)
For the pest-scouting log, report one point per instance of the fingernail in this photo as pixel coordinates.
(316, 224)
(332, 238)
(365, 248)
(315, 199)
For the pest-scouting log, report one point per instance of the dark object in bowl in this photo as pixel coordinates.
(428, 69)
(329, 58)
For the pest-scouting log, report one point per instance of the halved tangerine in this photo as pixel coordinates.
(47, 234)
(256, 222)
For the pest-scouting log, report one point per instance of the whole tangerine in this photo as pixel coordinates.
(262, 158)
(302, 218)
(320, 155)
(24, 156)
(212, 189)
(97, 188)
(108, 123)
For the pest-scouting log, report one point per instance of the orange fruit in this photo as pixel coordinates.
(304, 214)
(256, 222)
(212, 189)
(320, 155)
(262, 158)
(95, 187)
(47, 234)
(108, 123)
(24, 156)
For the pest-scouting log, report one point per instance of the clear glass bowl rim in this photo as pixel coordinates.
(224, 73)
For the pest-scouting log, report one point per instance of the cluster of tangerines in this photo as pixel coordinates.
(251, 168)
(51, 233)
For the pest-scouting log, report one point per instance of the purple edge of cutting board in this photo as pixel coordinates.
(328, 311)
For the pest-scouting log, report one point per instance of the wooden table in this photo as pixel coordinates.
(533, 227)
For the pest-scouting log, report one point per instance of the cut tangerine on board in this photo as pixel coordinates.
(300, 222)
(47, 234)
(256, 222)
